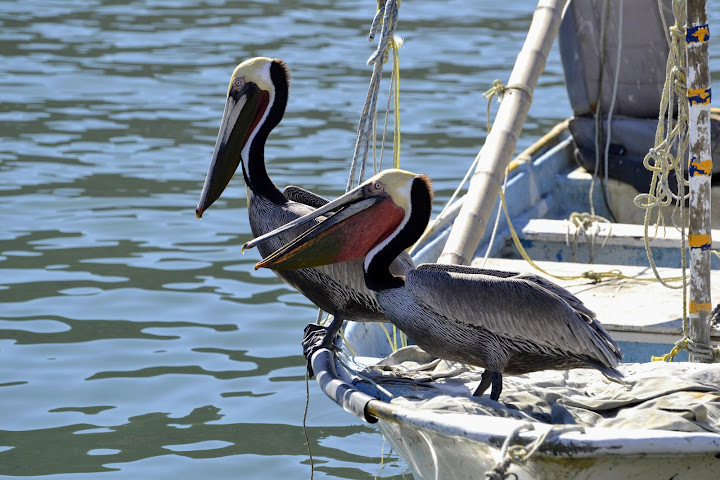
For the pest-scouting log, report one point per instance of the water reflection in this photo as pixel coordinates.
(85, 447)
(137, 341)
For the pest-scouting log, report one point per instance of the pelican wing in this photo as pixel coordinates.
(524, 308)
(300, 195)
(571, 299)
(448, 267)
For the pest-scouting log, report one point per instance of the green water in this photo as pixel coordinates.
(136, 341)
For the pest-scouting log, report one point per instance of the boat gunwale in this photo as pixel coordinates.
(592, 442)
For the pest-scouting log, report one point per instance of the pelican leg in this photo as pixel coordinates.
(496, 386)
(485, 381)
(489, 378)
(316, 337)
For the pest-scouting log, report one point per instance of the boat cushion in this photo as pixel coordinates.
(630, 141)
(644, 54)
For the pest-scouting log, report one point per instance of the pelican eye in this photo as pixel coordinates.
(378, 186)
(238, 82)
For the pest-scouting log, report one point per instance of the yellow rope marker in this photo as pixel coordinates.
(696, 307)
(396, 44)
(699, 240)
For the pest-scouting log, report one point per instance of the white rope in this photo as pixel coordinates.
(614, 92)
(660, 159)
(518, 454)
(389, 14)
(495, 226)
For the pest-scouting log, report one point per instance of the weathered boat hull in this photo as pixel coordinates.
(438, 452)
(459, 446)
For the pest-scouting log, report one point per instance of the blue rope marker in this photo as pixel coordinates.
(697, 34)
(699, 96)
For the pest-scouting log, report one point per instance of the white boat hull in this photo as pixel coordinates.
(433, 455)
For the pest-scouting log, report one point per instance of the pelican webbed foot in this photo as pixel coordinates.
(317, 337)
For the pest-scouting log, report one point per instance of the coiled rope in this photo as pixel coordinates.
(668, 156)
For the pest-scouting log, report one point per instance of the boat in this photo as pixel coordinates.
(663, 419)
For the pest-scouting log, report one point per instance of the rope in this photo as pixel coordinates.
(661, 161)
(495, 225)
(590, 275)
(430, 228)
(304, 424)
(618, 54)
(388, 12)
(597, 117)
(583, 223)
(519, 454)
(498, 90)
(705, 353)
(661, 154)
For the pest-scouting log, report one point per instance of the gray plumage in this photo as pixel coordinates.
(339, 288)
(503, 321)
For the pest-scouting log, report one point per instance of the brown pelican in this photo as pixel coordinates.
(505, 322)
(255, 104)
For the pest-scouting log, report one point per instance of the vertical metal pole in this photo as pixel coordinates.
(699, 168)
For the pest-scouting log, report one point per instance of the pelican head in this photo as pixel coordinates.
(252, 108)
(363, 221)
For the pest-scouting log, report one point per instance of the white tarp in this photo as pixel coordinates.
(668, 396)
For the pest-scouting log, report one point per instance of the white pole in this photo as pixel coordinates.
(699, 168)
(495, 155)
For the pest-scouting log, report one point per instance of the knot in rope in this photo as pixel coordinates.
(589, 225)
(704, 353)
(388, 12)
(670, 356)
(667, 156)
(519, 454)
(498, 90)
(596, 277)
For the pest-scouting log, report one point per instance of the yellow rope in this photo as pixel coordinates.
(395, 45)
(590, 275)
(393, 344)
(498, 89)
(347, 344)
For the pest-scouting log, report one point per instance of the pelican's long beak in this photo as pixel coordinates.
(362, 220)
(353, 196)
(244, 108)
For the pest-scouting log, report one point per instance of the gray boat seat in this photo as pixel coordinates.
(644, 52)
